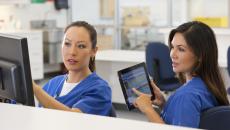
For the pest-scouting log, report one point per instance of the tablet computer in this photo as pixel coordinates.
(134, 77)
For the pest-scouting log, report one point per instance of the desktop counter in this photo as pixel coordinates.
(18, 117)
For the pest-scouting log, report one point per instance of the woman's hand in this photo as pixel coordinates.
(143, 101)
(144, 104)
(159, 98)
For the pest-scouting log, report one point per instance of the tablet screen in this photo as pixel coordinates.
(134, 77)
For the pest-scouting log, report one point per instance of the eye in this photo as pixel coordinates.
(67, 44)
(81, 46)
(181, 49)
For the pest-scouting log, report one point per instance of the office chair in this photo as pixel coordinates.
(159, 66)
(228, 67)
(216, 118)
(112, 112)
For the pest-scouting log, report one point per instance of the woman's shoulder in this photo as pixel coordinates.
(194, 85)
(97, 79)
(194, 90)
(94, 84)
(197, 81)
(93, 81)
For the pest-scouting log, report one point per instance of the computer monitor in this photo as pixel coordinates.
(15, 74)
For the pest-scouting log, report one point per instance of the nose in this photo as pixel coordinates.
(173, 53)
(73, 51)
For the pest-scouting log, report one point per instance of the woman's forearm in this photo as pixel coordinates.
(153, 116)
(49, 102)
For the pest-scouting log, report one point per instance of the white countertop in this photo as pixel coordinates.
(18, 117)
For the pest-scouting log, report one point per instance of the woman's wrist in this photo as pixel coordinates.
(36, 88)
(148, 110)
(153, 116)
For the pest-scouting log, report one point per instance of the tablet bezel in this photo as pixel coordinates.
(131, 68)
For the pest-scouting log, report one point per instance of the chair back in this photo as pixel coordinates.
(159, 53)
(228, 67)
(216, 118)
(159, 66)
(228, 60)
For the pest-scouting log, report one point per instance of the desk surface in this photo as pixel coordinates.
(18, 117)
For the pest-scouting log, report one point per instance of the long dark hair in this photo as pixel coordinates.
(201, 39)
(93, 38)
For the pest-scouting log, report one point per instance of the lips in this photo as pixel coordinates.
(174, 64)
(72, 61)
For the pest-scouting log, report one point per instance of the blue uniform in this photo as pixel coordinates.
(92, 95)
(185, 106)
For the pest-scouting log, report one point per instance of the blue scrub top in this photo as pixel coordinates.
(92, 95)
(185, 106)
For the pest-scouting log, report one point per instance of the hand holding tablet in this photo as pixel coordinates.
(134, 77)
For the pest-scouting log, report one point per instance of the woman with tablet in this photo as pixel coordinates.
(194, 54)
(80, 89)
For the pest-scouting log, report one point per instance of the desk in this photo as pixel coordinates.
(18, 117)
(108, 62)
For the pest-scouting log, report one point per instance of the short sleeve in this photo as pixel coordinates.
(184, 110)
(46, 86)
(96, 101)
(52, 86)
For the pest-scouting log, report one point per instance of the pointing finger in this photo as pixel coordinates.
(137, 92)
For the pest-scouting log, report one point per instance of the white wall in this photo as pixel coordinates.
(183, 10)
(88, 10)
(27, 12)
(208, 8)
(82, 10)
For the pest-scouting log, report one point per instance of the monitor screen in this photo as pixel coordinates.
(15, 74)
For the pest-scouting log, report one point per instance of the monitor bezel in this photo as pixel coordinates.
(24, 94)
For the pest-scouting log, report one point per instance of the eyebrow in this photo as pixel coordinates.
(179, 45)
(76, 42)
(67, 39)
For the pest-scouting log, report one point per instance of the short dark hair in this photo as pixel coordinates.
(201, 39)
(93, 38)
